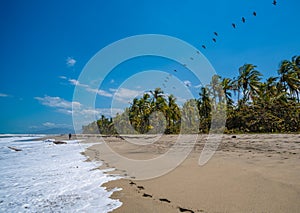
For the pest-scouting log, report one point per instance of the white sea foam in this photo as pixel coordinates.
(45, 177)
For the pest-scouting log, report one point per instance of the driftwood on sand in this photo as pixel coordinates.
(14, 148)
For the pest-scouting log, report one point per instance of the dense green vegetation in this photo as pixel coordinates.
(251, 105)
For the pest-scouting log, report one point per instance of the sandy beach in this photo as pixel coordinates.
(248, 173)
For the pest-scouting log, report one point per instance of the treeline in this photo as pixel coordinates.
(251, 105)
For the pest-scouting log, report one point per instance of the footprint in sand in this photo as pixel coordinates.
(164, 200)
(141, 187)
(185, 210)
(147, 195)
(132, 183)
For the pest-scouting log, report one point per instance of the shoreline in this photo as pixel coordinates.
(28, 169)
(249, 173)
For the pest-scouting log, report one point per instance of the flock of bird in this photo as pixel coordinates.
(214, 39)
(234, 25)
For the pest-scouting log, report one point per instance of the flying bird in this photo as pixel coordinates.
(191, 58)
(203, 46)
(187, 83)
(216, 33)
(197, 52)
(254, 13)
(274, 3)
(215, 40)
(175, 70)
(233, 25)
(243, 20)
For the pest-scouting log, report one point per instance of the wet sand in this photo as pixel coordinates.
(249, 173)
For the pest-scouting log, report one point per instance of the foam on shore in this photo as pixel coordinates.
(45, 177)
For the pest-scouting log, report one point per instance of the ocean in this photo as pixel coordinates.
(45, 177)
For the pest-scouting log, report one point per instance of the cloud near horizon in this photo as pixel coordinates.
(49, 124)
(122, 95)
(125, 95)
(63, 106)
(75, 82)
(99, 92)
(56, 125)
(60, 104)
(3, 95)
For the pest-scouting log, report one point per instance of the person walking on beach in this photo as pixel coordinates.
(70, 136)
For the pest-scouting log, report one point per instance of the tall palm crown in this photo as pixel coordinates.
(289, 72)
(204, 103)
(227, 85)
(248, 81)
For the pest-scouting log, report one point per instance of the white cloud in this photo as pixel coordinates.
(49, 124)
(83, 114)
(125, 95)
(60, 104)
(62, 77)
(99, 92)
(55, 125)
(3, 95)
(71, 61)
(112, 81)
(77, 83)
(74, 82)
(65, 111)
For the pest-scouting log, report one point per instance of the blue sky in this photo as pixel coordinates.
(45, 45)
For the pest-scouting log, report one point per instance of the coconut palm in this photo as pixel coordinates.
(248, 81)
(289, 72)
(156, 94)
(204, 103)
(227, 85)
(268, 106)
(216, 89)
(172, 115)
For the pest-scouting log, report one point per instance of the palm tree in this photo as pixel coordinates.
(227, 85)
(271, 106)
(172, 115)
(248, 81)
(236, 88)
(204, 103)
(289, 72)
(190, 117)
(204, 108)
(144, 112)
(156, 94)
(216, 89)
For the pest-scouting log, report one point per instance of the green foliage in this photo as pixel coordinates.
(250, 106)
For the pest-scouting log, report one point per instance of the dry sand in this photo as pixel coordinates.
(249, 173)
